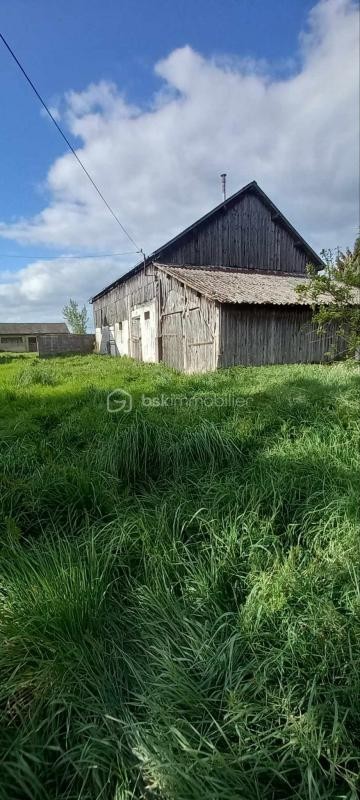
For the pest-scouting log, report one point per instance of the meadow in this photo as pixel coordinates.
(180, 584)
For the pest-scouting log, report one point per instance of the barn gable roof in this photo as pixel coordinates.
(32, 328)
(244, 286)
(253, 188)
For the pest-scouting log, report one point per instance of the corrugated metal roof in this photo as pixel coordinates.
(245, 286)
(32, 328)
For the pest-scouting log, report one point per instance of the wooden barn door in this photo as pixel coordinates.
(32, 344)
(199, 342)
(172, 339)
(136, 349)
(112, 343)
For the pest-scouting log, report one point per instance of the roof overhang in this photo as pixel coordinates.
(231, 286)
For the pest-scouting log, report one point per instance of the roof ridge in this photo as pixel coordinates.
(32, 323)
(232, 270)
(32, 327)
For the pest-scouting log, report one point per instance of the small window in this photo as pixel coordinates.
(147, 315)
(120, 326)
(11, 340)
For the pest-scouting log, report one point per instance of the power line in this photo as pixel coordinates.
(38, 95)
(67, 258)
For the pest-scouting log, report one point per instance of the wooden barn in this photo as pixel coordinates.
(222, 292)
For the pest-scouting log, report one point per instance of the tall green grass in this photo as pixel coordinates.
(179, 586)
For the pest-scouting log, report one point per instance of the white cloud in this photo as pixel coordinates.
(40, 290)
(158, 166)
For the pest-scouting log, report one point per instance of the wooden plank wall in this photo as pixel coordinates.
(187, 326)
(114, 305)
(244, 235)
(253, 335)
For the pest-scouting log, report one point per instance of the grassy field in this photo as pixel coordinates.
(180, 584)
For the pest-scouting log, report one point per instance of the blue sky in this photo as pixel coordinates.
(261, 56)
(70, 44)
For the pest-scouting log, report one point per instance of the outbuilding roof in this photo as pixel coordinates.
(241, 286)
(32, 328)
(250, 188)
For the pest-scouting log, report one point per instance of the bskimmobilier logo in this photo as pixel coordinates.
(119, 400)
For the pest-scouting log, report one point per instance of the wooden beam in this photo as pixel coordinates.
(196, 344)
(183, 325)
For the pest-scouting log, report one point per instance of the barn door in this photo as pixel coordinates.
(112, 343)
(32, 344)
(172, 340)
(199, 342)
(136, 349)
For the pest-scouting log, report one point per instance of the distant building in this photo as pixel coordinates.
(22, 337)
(222, 292)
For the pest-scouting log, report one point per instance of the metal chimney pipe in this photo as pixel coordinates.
(223, 184)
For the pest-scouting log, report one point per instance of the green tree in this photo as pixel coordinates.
(335, 294)
(76, 318)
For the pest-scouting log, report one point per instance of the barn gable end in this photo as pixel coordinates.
(245, 232)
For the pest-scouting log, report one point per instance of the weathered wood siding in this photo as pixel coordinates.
(194, 334)
(253, 335)
(188, 327)
(246, 234)
(114, 306)
(126, 318)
